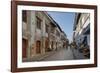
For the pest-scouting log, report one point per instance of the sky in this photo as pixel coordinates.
(65, 21)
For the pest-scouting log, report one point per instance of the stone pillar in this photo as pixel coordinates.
(33, 33)
(43, 36)
(29, 30)
(31, 27)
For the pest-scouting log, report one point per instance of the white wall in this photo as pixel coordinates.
(5, 32)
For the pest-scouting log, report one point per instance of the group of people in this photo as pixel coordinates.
(82, 48)
(73, 45)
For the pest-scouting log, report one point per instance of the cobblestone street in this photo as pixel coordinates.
(63, 54)
(77, 55)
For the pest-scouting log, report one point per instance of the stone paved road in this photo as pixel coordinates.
(77, 54)
(63, 54)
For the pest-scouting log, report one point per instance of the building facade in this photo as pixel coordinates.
(81, 34)
(40, 34)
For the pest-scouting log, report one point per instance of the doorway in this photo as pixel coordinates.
(38, 47)
(24, 48)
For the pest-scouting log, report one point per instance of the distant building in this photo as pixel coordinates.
(40, 34)
(81, 34)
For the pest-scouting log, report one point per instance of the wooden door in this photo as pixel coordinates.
(38, 46)
(46, 45)
(24, 48)
(52, 45)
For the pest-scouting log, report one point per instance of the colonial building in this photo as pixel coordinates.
(82, 28)
(40, 34)
(81, 34)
